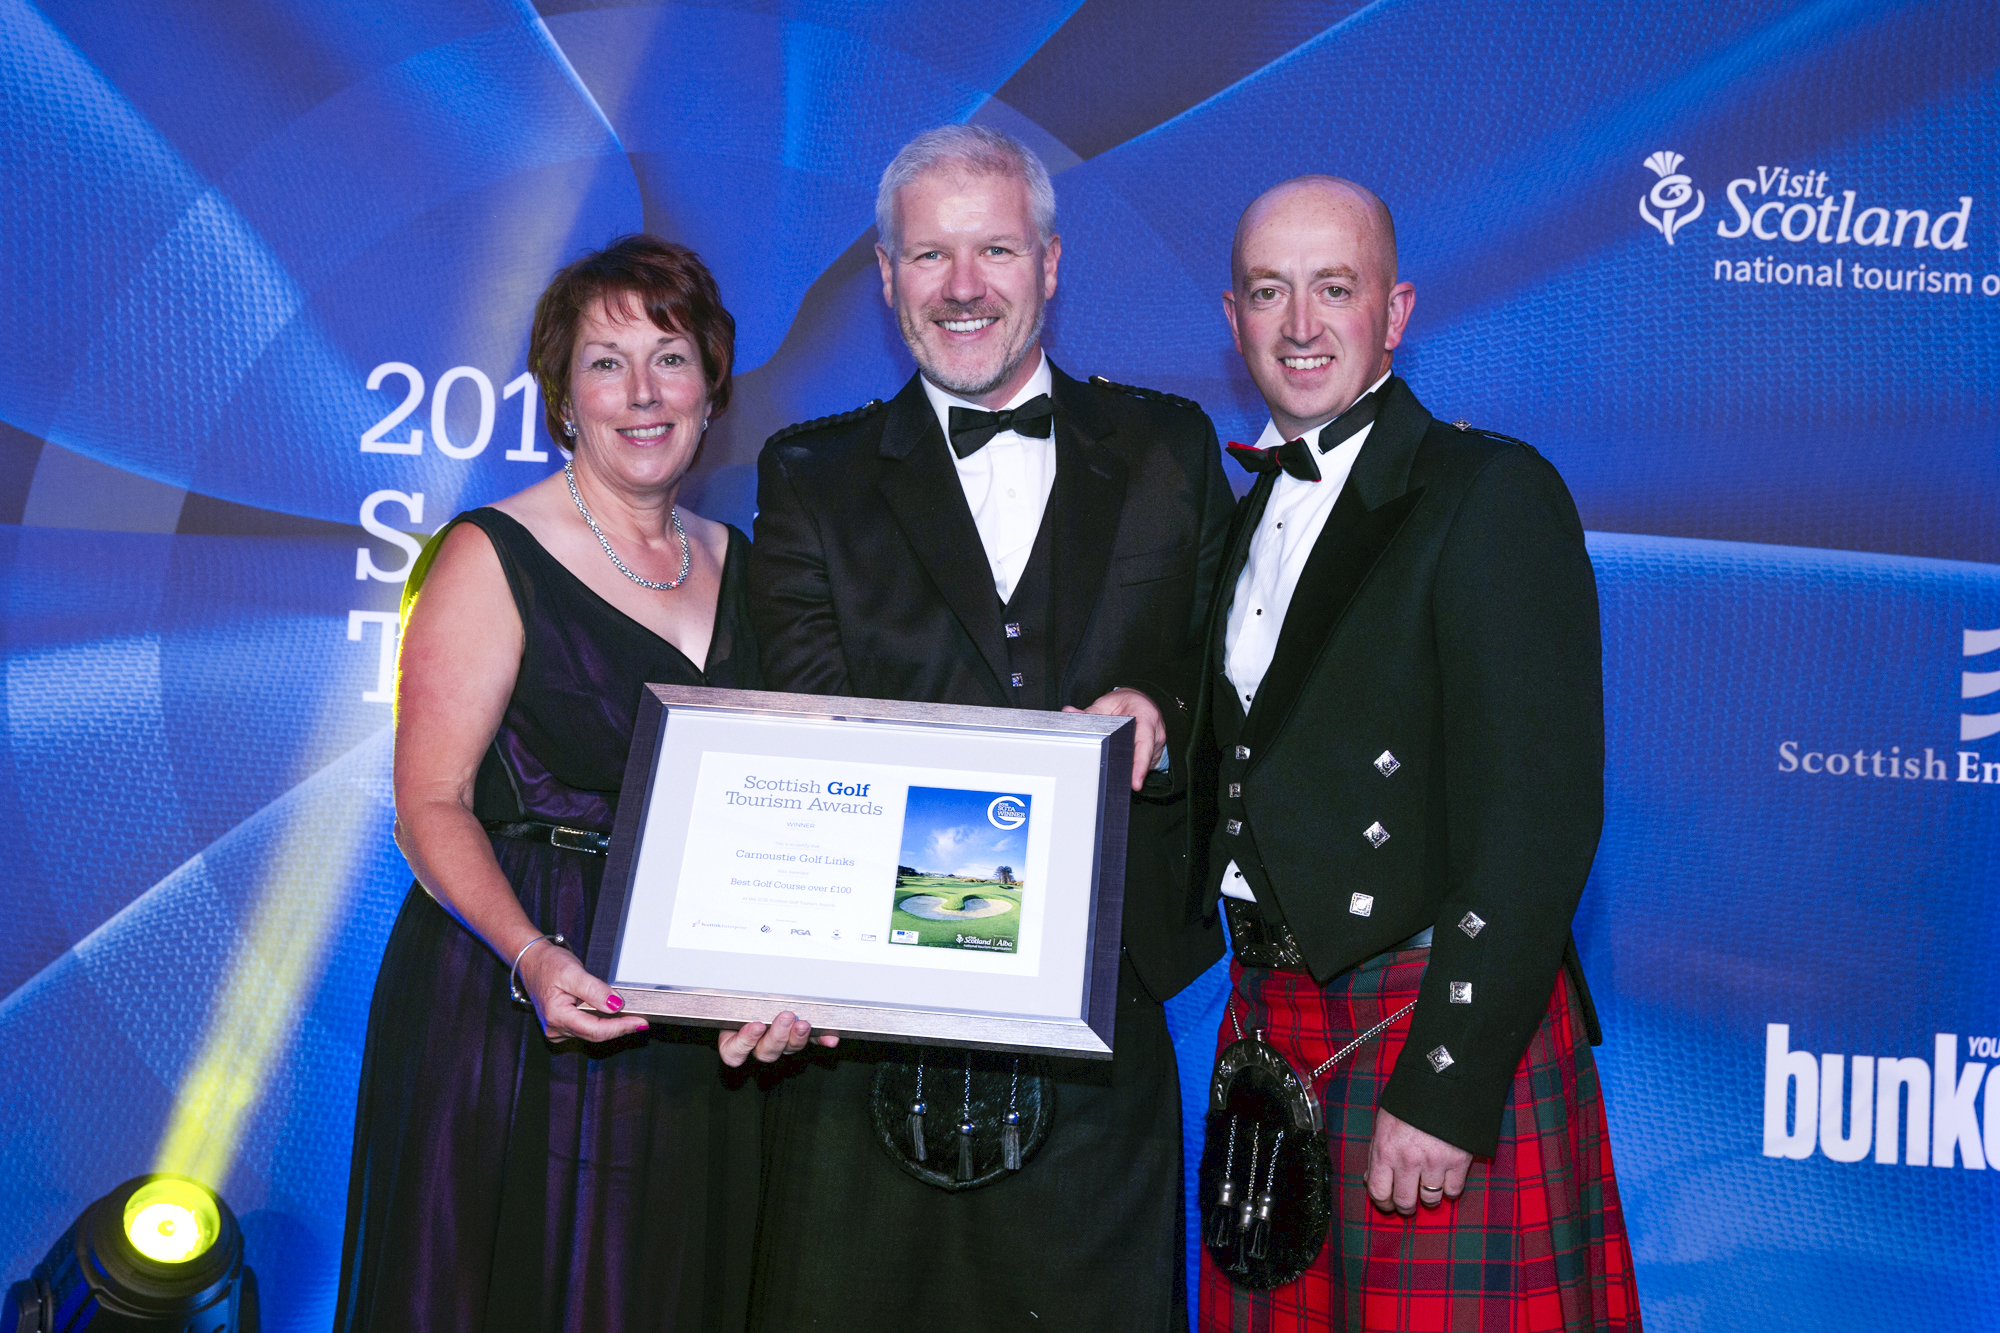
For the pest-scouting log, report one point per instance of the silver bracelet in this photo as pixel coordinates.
(514, 972)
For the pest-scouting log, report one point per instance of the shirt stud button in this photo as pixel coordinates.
(1242, 752)
(1461, 992)
(1235, 791)
(1018, 678)
(1013, 630)
(1471, 923)
(1387, 763)
(1361, 904)
(1376, 835)
(1233, 827)
(1440, 1059)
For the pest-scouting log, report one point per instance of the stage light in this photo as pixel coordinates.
(159, 1253)
(172, 1220)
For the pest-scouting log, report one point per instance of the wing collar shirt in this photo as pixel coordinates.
(1007, 483)
(1293, 518)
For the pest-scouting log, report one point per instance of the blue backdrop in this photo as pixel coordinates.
(1734, 267)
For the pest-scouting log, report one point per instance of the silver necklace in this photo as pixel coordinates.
(687, 556)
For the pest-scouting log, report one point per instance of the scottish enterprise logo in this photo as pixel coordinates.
(1936, 764)
(1978, 684)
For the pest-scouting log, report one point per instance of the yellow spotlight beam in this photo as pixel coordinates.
(274, 968)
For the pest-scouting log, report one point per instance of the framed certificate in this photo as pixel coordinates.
(912, 872)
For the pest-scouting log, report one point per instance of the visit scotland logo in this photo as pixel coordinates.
(1670, 194)
(1821, 235)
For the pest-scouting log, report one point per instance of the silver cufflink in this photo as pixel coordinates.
(1234, 826)
(1235, 791)
(1018, 679)
(1376, 835)
(1013, 629)
(1471, 923)
(1440, 1060)
(1387, 762)
(1461, 992)
(1242, 752)
(1361, 904)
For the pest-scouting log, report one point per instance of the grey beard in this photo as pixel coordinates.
(962, 388)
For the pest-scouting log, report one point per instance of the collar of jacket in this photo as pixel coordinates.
(1085, 505)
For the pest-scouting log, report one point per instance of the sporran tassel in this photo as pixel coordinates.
(1247, 1213)
(1222, 1212)
(1010, 1141)
(965, 1126)
(917, 1152)
(1260, 1228)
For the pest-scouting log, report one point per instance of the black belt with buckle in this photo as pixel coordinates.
(1258, 941)
(556, 835)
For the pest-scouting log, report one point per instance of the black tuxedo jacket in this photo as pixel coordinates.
(867, 578)
(1448, 616)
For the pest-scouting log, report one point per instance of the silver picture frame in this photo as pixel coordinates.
(1065, 1007)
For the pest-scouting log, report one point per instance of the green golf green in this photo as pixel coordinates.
(938, 910)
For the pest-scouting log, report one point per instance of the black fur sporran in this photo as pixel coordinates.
(1266, 1179)
(957, 1120)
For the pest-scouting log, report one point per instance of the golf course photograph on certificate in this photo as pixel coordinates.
(957, 881)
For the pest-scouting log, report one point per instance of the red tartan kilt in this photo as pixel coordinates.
(1537, 1241)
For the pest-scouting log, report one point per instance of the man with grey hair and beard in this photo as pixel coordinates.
(1003, 535)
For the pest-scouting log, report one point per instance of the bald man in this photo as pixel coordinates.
(1399, 789)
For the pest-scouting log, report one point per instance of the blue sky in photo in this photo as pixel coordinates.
(946, 832)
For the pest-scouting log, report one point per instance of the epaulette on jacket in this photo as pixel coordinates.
(1154, 394)
(1465, 425)
(837, 419)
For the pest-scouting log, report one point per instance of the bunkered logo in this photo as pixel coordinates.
(1929, 763)
(1821, 234)
(1670, 194)
(1895, 1108)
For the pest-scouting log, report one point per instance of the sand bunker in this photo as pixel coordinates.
(931, 907)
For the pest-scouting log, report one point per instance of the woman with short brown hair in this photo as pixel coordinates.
(524, 1156)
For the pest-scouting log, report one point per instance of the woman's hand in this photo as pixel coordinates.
(556, 980)
(787, 1034)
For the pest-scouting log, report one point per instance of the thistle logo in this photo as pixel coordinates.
(1670, 195)
(1978, 684)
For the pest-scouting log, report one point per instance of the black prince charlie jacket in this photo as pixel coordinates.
(868, 579)
(1437, 679)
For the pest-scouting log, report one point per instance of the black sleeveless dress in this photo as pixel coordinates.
(500, 1182)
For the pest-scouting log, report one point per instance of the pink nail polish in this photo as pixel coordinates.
(613, 1003)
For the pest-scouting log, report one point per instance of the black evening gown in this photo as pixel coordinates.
(499, 1182)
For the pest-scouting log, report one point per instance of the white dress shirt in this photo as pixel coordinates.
(1293, 518)
(1007, 483)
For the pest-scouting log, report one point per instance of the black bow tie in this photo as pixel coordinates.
(971, 430)
(1294, 458)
